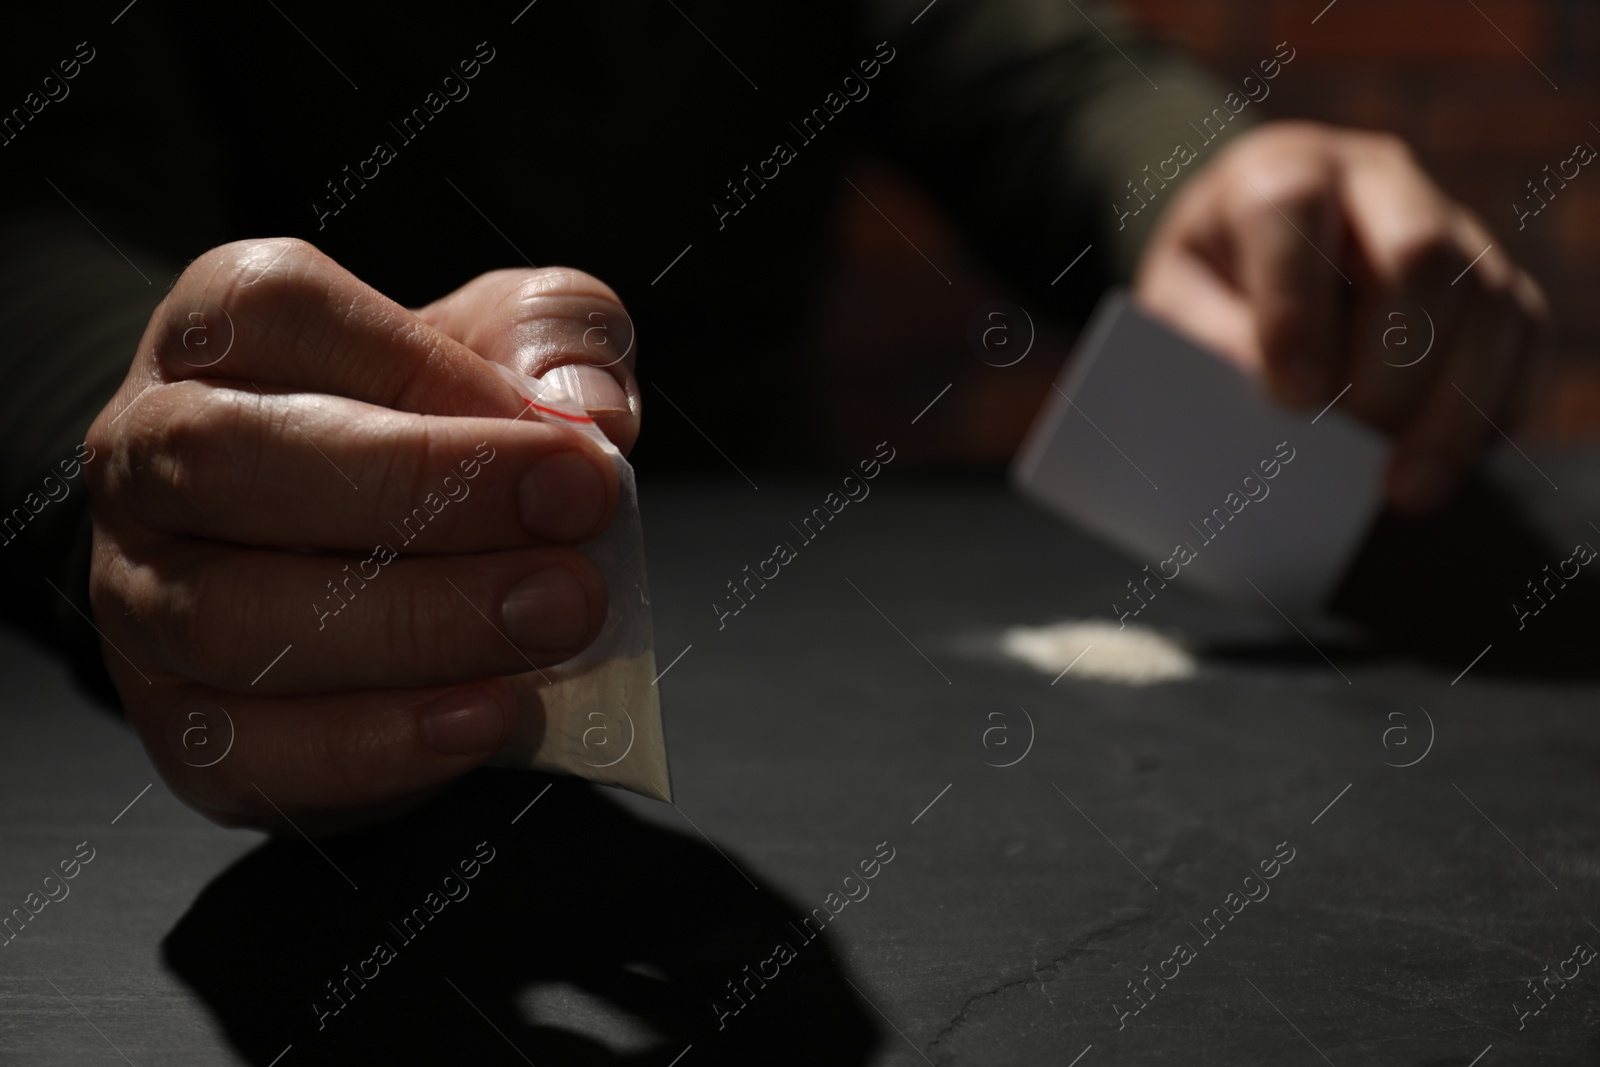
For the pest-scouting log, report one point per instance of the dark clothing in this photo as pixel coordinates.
(420, 146)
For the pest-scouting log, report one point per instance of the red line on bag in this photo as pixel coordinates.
(557, 414)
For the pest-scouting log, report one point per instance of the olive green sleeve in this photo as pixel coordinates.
(1034, 120)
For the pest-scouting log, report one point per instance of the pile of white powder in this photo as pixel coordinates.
(1099, 649)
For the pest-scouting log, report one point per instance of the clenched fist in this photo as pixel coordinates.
(324, 534)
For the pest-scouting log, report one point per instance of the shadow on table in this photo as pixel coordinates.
(1443, 588)
(587, 937)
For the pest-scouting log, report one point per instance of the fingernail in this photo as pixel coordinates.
(463, 723)
(593, 388)
(1421, 481)
(562, 497)
(547, 612)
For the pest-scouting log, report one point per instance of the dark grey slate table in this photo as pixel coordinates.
(842, 716)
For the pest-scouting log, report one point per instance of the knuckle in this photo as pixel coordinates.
(565, 281)
(99, 439)
(404, 627)
(264, 282)
(413, 467)
(267, 289)
(193, 638)
(1386, 143)
(224, 270)
(1294, 190)
(176, 454)
(411, 631)
(191, 622)
(110, 596)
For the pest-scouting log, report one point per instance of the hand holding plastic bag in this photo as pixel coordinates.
(597, 715)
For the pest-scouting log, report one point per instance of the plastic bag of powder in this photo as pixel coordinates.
(597, 715)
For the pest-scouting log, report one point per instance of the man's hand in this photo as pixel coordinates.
(1288, 252)
(323, 535)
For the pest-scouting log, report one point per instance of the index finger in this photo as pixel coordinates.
(285, 314)
(1288, 229)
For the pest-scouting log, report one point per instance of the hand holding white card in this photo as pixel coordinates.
(1180, 459)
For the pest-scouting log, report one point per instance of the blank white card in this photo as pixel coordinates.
(1184, 462)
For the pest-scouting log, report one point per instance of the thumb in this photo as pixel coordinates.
(552, 322)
